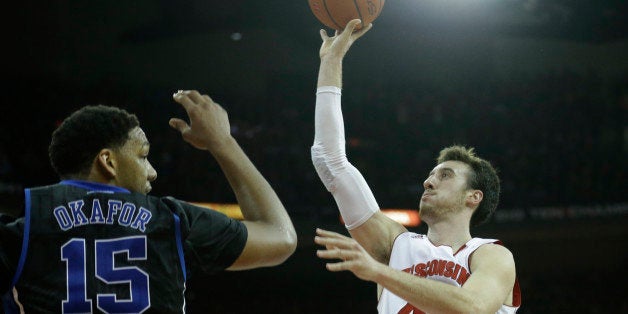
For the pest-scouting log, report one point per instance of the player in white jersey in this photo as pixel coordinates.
(445, 270)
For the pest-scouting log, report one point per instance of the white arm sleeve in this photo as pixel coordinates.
(353, 196)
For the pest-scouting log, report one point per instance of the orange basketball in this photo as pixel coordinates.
(336, 14)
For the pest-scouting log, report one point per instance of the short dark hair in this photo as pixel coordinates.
(482, 177)
(79, 138)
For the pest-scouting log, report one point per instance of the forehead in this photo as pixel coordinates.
(457, 167)
(137, 137)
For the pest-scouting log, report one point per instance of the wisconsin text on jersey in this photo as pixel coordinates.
(443, 268)
(125, 214)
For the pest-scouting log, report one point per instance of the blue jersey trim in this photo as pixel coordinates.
(93, 186)
(25, 237)
(177, 234)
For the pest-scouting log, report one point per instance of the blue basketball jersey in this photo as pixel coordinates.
(91, 248)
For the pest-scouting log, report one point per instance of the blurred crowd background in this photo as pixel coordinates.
(539, 88)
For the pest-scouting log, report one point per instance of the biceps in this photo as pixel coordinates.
(491, 284)
(377, 236)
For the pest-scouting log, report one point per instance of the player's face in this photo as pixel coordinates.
(445, 189)
(135, 173)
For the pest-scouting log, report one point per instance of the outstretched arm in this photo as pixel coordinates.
(357, 205)
(491, 281)
(271, 235)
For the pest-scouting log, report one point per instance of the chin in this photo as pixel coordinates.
(426, 209)
(425, 205)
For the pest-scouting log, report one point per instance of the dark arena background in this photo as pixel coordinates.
(539, 87)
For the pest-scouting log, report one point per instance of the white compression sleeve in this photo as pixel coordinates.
(352, 194)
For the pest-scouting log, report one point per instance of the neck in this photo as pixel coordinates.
(97, 176)
(451, 231)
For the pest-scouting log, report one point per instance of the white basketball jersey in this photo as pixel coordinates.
(415, 254)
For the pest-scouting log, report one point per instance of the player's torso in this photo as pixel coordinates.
(100, 252)
(415, 254)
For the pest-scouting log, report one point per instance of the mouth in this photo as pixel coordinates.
(427, 195)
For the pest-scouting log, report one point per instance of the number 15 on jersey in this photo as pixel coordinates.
(73, 253)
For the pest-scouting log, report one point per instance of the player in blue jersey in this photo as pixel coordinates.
(97, 242)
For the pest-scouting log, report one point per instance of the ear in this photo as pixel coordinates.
(106, 163)
(474, 197)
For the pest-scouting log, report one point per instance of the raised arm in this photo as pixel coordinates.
(357, 205)
(271, 235)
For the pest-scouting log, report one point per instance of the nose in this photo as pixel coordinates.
(152, 173)
(428, 184)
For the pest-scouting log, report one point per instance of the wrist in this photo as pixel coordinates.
(331, 58)
(378, 274)
(223, 145)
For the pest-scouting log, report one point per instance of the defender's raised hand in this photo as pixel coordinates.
(209, 123)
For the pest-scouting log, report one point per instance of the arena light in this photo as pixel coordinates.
(231, 210)
(406, 217)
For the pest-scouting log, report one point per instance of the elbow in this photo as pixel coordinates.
(289, 245)
(266, 248)
(284, 248)
(328, 165)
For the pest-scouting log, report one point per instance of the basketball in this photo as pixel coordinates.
(336, 14)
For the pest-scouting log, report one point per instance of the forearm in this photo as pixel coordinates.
(257, 199)
(428, 295)
(271, 237)
(351, 192)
